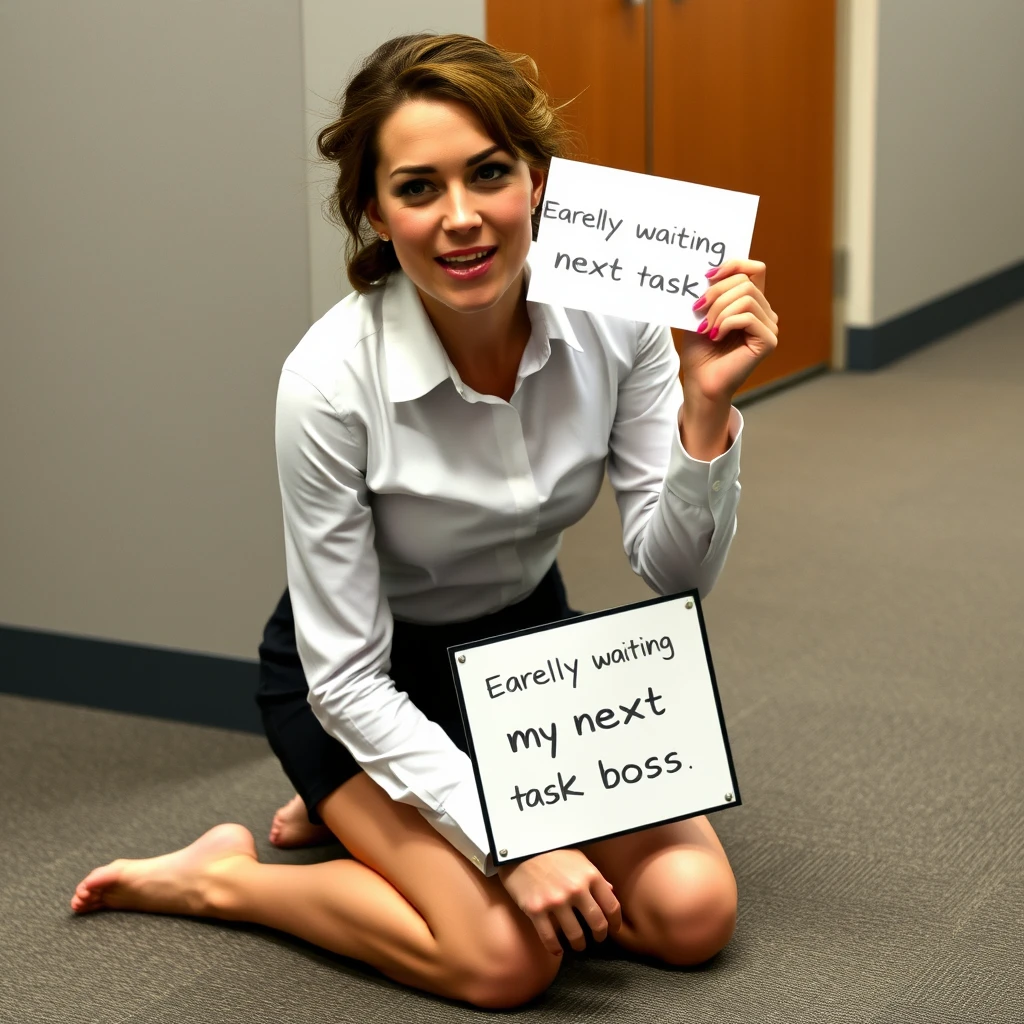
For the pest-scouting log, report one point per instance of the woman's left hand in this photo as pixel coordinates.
(739, 330)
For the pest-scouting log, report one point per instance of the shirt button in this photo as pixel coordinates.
(717, 485)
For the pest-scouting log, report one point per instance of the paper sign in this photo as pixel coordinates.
(595, 726)
(634, 245)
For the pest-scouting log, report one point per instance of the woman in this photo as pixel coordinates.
(435, 435)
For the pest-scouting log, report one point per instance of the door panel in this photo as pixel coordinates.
(594, 48)
(743, 99)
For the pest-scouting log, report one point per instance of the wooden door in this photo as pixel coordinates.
(592, 50)
(739, 94)
(743, 99)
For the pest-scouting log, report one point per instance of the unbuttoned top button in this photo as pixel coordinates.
(717, 485)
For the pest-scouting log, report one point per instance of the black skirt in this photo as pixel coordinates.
(315, 762)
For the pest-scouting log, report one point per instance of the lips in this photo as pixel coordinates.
(465, 257)
(477, 265)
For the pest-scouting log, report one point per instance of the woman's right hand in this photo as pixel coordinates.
(548, 887)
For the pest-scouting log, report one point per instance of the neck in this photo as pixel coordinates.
(487, 343)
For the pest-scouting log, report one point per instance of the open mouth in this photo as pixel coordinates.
(467, 260)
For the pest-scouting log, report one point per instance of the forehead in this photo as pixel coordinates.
(427, 131)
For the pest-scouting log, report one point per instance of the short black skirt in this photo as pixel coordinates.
(315, 762)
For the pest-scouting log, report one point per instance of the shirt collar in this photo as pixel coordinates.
(555, 319)
(416, 359)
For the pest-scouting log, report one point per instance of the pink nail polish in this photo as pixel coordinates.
(703, 326)
(700, 302)
(713, 333)
(712, 271)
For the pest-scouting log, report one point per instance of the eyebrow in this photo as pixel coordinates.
(433, 170)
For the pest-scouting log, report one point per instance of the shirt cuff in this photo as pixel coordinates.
(706, 483)
(461, 822)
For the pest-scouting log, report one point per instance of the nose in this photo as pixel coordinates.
(461, 214)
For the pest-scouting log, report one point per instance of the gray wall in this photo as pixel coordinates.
(156, 276)
(949, 148)
(156, 272)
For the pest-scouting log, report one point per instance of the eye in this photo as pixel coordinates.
(414, 187)
(493, 172)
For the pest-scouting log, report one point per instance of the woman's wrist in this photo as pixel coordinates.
(704, 425)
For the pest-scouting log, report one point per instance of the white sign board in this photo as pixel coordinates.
(634, 245)
(594, 726)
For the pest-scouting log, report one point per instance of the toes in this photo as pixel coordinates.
(82, 904)
(89, 891)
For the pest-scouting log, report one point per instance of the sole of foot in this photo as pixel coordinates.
(292, 828)
(174, 883)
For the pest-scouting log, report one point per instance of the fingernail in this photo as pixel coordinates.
(713, 333)
(703, 326)
(700, 302)
(712, 271)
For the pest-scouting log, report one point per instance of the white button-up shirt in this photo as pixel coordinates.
(406, 493)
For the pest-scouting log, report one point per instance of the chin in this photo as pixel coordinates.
(471, 303)
(471, 298)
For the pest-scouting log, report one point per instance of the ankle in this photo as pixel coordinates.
(222, 887)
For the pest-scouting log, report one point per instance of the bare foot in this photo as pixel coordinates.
(292, 827)
(176, 883)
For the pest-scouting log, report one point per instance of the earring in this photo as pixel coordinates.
(384, 238)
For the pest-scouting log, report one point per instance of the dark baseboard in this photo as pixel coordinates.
(197, 688)
(870, 348)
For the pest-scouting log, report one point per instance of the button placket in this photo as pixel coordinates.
(518, 473)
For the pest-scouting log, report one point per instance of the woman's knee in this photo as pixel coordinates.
(503, 967)
(696, 918)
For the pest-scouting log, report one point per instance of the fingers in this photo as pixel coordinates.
(601, 912)
(609, 905)
(754, 269)
(599, 908)
(552, 888)
(752, 326)
(546, 931)
(742, 297)
(571, 927)
(596, 918)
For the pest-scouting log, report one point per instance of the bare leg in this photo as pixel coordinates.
(676, 887)
(422, 915)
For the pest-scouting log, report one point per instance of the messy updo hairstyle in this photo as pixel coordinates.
(502, 88)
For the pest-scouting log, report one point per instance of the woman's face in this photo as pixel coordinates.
(446, 189)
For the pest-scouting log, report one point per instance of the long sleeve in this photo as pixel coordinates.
(343, 623)
(678, 513)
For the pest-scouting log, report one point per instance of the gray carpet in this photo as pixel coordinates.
(867, 637)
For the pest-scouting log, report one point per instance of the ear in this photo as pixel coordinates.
(538, 178)
(373, 216)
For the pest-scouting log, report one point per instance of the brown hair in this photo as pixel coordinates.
(502, 88)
